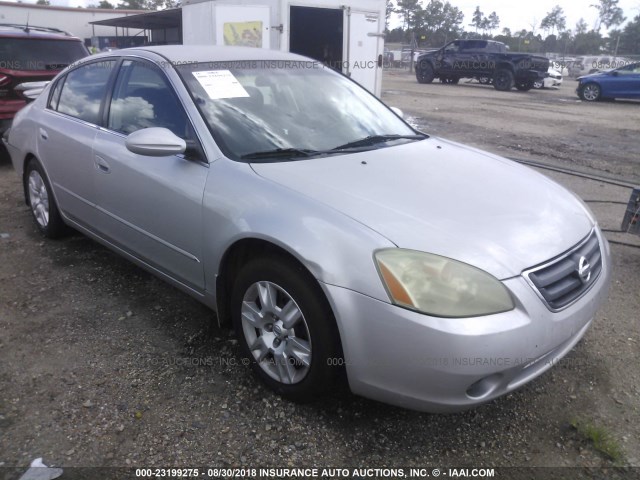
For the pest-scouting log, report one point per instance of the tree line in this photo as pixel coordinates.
(437, 22)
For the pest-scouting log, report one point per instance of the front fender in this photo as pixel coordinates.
(336, 249)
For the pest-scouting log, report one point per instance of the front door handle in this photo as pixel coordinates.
(102, 165)
(43, 134)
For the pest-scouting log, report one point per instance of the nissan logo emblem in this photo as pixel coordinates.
(584, 270)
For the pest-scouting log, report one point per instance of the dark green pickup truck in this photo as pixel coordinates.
(486, 60)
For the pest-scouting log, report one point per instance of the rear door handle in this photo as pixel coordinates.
(102, 165)
(43, 134)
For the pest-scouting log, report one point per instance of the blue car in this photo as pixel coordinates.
(623, 82)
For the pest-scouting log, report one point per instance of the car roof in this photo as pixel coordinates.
(14, 30)
(184, 54)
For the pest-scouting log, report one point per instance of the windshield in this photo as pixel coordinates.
(288, 106)
(31, 54)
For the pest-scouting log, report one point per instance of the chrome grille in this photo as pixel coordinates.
(566, 278)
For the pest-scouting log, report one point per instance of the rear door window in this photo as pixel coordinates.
(84, 89)
(474, 45)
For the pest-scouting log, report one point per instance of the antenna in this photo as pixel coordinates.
(26, 28)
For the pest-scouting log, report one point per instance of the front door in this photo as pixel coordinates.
(150, 206)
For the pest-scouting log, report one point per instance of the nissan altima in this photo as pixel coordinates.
(332, 235)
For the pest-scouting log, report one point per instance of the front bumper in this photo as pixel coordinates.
(415, 361)
(530, 75)
(552, 82)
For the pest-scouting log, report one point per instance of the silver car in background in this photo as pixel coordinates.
(331, 234)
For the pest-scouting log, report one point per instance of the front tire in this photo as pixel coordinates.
(40, 198)
(286, 328)
(590, 92)
(538, 84)
(503, 80)
(424, 72)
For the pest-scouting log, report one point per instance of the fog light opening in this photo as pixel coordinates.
(484, 386)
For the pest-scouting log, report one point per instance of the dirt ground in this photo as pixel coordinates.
(104, 365)
(553, 125)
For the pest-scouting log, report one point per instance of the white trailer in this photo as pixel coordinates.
(346, 34)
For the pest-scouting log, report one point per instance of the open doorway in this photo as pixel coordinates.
(317, 33)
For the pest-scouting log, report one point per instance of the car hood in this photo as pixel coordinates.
(602, 73)
(444, 198)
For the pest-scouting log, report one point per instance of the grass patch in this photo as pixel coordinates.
(602, 440)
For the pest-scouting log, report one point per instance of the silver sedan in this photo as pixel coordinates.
(332, 235)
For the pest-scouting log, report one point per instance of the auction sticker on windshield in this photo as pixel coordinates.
(220, 84)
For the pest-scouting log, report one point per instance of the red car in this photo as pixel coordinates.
(31, 54)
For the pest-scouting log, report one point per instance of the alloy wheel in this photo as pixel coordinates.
(39, 198)
(591, 92)
(276, 332)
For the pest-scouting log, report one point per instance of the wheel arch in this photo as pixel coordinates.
(238, 254)
(426, 61)
(593, 82)
(501, 65)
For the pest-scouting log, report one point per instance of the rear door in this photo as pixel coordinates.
(473, 58)
(150, 206)
(66, 133)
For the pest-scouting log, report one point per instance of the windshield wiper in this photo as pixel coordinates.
(373, 139)
(281, 153)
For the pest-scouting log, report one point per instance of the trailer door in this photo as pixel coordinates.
(364, 45)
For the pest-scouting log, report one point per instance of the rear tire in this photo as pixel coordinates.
(484, 80)
(286, 328)
(40, 198)
(538, 84)
(424, 72)
(503, 80)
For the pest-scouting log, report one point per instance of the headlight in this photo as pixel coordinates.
(440, 286)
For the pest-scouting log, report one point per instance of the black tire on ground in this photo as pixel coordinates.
(538, 84)
(590, 92)
(40, 199)
(503, 79)
(316, 328)
(484, 80)
(424, 72)
(450, 80)
(524, 86)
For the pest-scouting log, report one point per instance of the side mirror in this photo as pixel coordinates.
(615, 73)
(397, 111)
(155, 142)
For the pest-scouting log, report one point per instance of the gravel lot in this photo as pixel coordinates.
(104, 365)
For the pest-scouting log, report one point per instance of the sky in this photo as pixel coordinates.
(514, 15)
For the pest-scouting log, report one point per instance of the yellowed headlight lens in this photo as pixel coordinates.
(440, 286)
